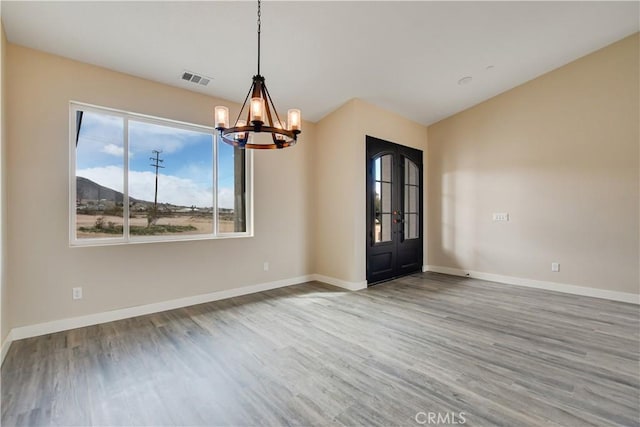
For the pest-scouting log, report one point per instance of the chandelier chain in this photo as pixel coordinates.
(259, 29)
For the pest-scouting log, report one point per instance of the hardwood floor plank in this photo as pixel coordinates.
(317, 355)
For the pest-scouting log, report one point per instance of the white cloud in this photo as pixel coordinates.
(225, 197)
(144, 137)
(103, 133)
(113, 149)
(171, 189)
(146, 143)
(198, 173)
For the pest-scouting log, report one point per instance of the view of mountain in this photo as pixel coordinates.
(90, 190)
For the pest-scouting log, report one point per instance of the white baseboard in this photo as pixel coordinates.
(125, 313)
(352, 286)
(5, 346)
(539, 284)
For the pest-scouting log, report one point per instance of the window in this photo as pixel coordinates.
(136, 178)
(383, 183)
(411, 200)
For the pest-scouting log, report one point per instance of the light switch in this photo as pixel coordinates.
(501, 216)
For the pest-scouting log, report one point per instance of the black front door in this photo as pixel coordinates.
(394, 210)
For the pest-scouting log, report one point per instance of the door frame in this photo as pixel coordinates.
(399, 151)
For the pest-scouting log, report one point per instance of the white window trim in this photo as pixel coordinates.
(126, 239)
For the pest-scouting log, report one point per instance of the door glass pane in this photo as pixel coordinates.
(406, 225)
(382, 204)
(385, 197)
(386, 168)
(412, 229)
(413, 199)
(386, 228)
(406, 171)
(99, 175)
(406, 198)
(411, 174)
(411, 195)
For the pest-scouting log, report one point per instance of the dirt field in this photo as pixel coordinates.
(202, 224)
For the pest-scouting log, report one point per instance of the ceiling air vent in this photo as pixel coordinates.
(198, 79)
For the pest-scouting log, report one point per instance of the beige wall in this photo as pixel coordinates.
(340, 182)
(43, 268)
(560, 155)
(5, 325)
(335, 178)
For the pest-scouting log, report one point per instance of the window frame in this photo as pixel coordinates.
(126, 238)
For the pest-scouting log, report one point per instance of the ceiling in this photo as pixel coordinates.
(405, 57)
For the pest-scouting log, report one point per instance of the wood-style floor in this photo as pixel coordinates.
(316, 355)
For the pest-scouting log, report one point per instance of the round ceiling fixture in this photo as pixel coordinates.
(465, 80)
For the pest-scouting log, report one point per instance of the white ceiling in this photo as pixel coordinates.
(406, 57)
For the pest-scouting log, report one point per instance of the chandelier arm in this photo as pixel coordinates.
(265, 95)
(266, 106)
(243, 104)
(269, 100)
(246, 134)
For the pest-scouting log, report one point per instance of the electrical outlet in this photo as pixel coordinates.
(266, 266)
(555, 267)
(501, 216)
(77, 293)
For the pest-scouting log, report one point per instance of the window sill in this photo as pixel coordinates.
(169, 239)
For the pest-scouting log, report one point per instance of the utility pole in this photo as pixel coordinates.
(156, 164)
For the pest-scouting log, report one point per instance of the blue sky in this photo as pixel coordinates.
(186, 178)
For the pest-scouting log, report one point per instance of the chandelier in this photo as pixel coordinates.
(261, 116)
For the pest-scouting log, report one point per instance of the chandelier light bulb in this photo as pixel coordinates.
(294, 119)
(257, 110)
(222, 117)
(240, 135)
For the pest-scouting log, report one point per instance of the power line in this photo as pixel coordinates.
(156, 164)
